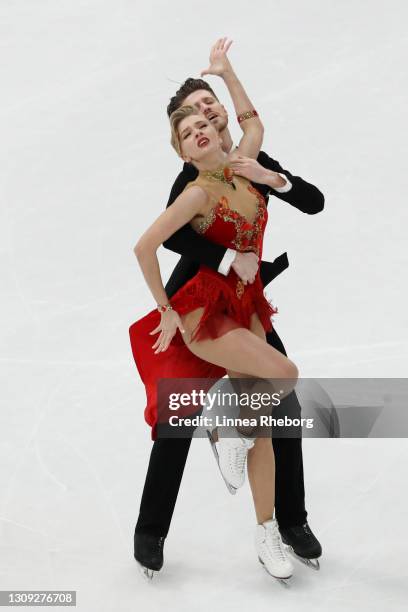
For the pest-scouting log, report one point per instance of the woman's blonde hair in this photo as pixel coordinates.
(175, 118)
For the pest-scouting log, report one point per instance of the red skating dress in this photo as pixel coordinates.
(227, 302)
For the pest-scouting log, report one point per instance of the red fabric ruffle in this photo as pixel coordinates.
(223, 309)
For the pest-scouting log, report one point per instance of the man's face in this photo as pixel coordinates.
(208, 104)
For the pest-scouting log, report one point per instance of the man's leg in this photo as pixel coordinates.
(164, 474)
(166, 466)
(168, 455)
(289, 487)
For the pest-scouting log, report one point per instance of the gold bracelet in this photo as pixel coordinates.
(247, 115)
(164, 308)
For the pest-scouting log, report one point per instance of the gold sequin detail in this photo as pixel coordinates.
(207, 221)
(240, 288)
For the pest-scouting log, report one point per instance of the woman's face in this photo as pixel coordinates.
(197, 137)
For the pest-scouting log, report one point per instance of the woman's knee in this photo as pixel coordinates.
(292, 370)
(286, 369)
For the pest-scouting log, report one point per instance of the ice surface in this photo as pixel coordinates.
(86, 165)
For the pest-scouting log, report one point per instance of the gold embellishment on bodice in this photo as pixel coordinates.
(239, 220)
(245, 230)
(224, 174)
(239, 289)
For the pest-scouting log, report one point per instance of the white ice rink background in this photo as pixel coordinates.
(86, 165)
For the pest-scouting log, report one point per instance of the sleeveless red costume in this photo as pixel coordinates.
(228, 303)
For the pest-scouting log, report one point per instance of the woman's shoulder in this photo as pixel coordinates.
(199, 183)
(203, 190)
(194, 183)
(197, 189)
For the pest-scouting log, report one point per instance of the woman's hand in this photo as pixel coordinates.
(169, 323)
(219, 62)
(250, 169)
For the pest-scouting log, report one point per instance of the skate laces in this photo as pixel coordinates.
(241, 455)
(274, 542)
(238, 455)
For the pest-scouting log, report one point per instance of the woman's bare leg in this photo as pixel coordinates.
(245, 354)
(261, 476)
(261, 458)
(242, 350)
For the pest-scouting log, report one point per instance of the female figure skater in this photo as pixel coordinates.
(216, 324)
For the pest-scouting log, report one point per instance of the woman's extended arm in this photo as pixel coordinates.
(251, 142)
(186, 206)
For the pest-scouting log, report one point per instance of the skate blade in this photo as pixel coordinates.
(146, 572)
(312, 563)
(283, 580)
(229, 486)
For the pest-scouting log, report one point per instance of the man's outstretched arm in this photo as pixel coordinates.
(297, 192)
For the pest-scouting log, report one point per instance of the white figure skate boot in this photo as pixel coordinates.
(232, 454)
(271, 553)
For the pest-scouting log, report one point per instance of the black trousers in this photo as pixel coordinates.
(169, 456)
